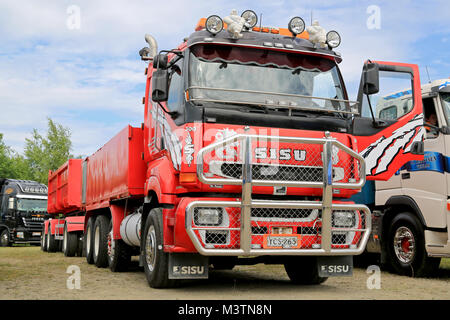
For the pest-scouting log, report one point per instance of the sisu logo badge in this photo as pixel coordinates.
(188, 149)
(188, 270)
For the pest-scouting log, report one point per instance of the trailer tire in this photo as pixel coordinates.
(156, 261)
(303, 270)
(88, 242)
(80, 246)
(70, 243)
(119, 256)
(405, 245)
(52, 244)
(101, 231)
(4, 238)
(43, 239)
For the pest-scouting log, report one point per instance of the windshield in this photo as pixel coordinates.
(445, 98)
(39, 205)
(265, 78)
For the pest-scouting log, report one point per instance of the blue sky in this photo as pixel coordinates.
(91, 80)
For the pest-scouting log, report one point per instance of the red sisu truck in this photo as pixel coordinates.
(248, 153)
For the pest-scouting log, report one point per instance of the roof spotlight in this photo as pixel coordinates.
(333, 39)
(296, 25)
(214, 24)
(251, 19)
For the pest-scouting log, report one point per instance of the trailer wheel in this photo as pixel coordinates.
(303, 270)
(4, 238)
(88, 242)
(52, 244)
(80, 245)
(119, 255)
(70, 243)
(101, 230)
(43, 239)
(156, 263)
(406, 247)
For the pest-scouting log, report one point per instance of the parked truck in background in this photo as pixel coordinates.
(23, 206)
(411, 211)
(248, 148)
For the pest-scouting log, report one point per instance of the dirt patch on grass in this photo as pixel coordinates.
(28, 273)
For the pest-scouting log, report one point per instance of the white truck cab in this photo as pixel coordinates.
(411, 211)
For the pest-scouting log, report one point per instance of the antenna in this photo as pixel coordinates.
(260, 21)
(429, 80)
(311, 17)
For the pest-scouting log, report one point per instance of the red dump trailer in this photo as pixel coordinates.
(248, 153)
(83, 187)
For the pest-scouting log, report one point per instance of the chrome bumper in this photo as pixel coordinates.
(243, 229)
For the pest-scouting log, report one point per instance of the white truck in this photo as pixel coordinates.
(411, 211)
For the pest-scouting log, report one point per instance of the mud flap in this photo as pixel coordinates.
(336, 266)
(188, 266)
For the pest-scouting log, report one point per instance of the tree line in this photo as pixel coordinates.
(41, 154)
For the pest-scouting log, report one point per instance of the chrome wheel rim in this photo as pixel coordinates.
(65, 240)
(4, 239)
(97, 241)
(88, 240)
(150, 248)
(111, 246)
(404, 245)
(48, 237)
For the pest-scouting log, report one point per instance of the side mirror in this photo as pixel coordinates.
(371, 78)
(160, 85)
(445, 130)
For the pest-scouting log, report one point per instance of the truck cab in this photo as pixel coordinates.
(23, 206)
(411, 209)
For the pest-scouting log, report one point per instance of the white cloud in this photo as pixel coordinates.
(92, 80)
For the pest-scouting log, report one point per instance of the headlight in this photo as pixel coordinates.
(208, 216)
(251, 19)
(296, 25)
(343, 219)
(333, 39)
(214, 24)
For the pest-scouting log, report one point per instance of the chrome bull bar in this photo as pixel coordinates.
(247, 203)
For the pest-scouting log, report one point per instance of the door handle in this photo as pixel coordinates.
(406, 175)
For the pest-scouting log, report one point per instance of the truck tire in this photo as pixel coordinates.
(156, 262)
(80, 246)
(88, 243)
(406, 247)
(119, 256)
(303, 270)
(52, 244)
(4, 238)
(100, 252)
(70, 243)
(43, 239)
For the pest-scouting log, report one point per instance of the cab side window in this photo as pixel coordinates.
(395, 98)
(175, 87)
(431, 121)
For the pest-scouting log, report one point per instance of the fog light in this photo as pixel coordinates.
(208, 216)
(214, 24)
(296, 25)
(333, 39)
(251, 19)
(343, 219)
(281, 230)
(19, 235)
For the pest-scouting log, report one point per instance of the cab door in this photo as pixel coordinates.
(425, 180)
(389, 131)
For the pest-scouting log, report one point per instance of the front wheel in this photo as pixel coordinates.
(406, 247)
(156, 264)
(303, 270)
(4, 238)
